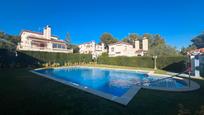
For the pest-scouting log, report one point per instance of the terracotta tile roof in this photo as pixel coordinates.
(44, 39)
(39, 33)
(200, 50)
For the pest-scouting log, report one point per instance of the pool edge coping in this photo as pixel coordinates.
(195, 84)
(124, 99)
(127, 97)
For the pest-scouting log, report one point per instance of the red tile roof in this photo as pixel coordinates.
(39, 33)
(53, 40)
(201, 50)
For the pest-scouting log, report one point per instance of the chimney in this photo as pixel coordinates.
(137, 45)
(47, 32)
(145, 44)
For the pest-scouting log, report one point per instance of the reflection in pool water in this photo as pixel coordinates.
(114, 82)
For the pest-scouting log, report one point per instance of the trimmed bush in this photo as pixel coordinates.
(61, 58)
(174, 64)
(127, 61)
(37, 59)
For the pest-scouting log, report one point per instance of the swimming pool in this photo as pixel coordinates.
(116, 85)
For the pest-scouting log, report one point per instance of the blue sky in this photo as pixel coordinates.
(178, 21)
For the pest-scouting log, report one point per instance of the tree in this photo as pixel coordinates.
(187, 49)
(198, 41)
(107, 38)
(1, 34)
(163, 50)
(68, 40)
(125, 40)
(75, 48)
(148, 36)
(158, 46)
(131, 38)
(8, 41)
(157, 40)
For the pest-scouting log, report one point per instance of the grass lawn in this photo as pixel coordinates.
(158, 71)
(22, 92)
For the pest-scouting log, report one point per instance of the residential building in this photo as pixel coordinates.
(197, 62)
(126, 49)
(45, 41)
(92, 48)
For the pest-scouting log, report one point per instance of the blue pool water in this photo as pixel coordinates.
(114, 82)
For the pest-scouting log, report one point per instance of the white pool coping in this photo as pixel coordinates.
(192, 87)
(125, 98)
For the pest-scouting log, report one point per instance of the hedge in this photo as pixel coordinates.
(48, 57)
(36, 59)
(174, 64)
(29, 58)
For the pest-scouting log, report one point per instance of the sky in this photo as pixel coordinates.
(178, 21)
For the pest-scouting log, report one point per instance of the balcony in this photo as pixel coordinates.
(44, 49)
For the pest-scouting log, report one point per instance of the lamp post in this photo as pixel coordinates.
(155, 62)
(189, 69)
(16, 54)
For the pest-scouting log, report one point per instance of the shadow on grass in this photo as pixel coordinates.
(176, 67)
(13, 59)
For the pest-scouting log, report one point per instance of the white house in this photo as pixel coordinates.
(197, 62)
(37, 41)
(92, 48)
(126, 49)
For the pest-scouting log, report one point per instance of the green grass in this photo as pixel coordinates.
(126, 67)
(22, 92)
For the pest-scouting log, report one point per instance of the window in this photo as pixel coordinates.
(38, 44)
(88, 46)
(54, 46)
(61, 46)
(125, 48)
(141, 45)
(112, 49)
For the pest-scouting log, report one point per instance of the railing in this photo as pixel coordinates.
(45, 49)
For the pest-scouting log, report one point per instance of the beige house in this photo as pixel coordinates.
(36, 41)
(126, 49)
(92, 48)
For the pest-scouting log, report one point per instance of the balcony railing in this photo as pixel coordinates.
(45, 49)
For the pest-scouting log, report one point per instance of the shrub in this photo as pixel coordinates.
(61, 58)
(175, 64)
(9, 59)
